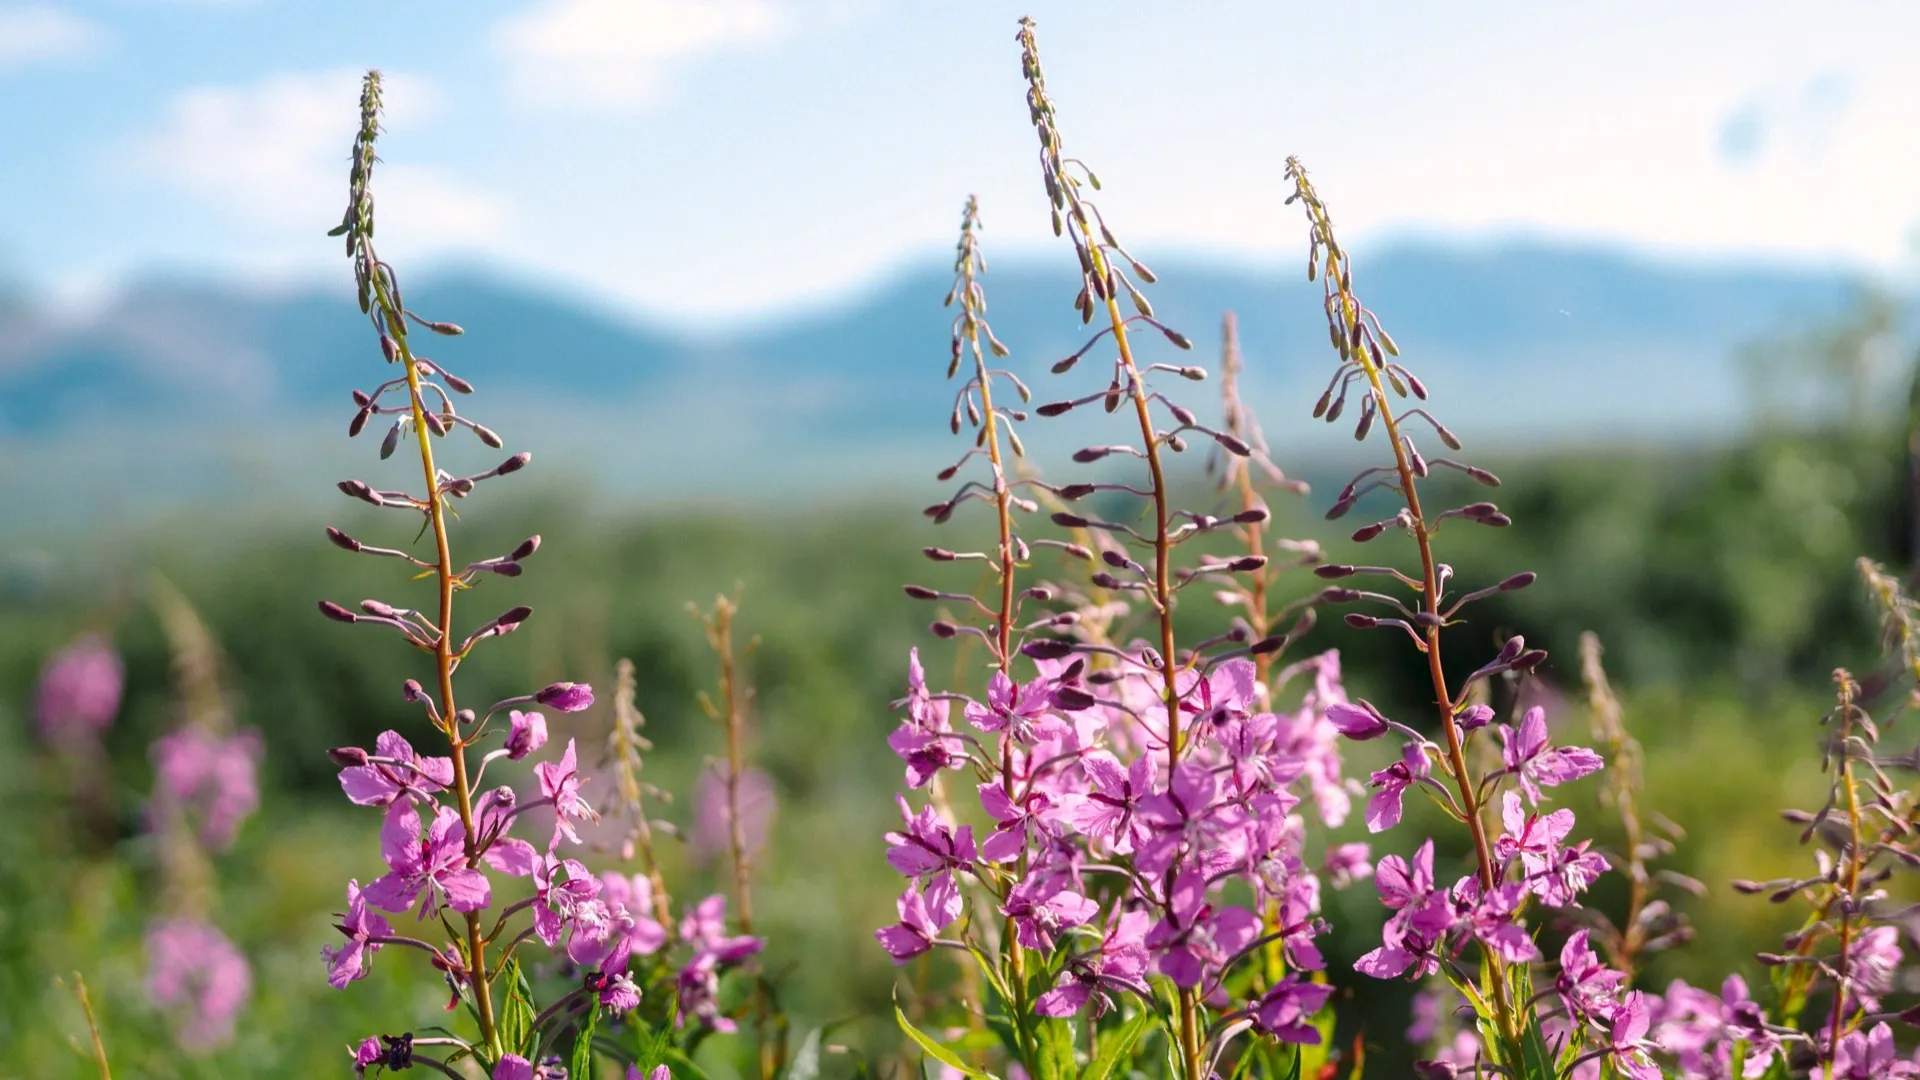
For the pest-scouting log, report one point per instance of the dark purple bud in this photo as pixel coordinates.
(947, 473)
(1091, 454)
(460, 486)
(1413, 382)
(1529, 660)
(455, 383)
(464, 717)
(1359, 721)
(342, 540)
(389, 349)
(1333, 570)
(447, 328)
(565, 696)
(1749, 888)
(938, 554)
(1517, 581)
(1320, 407)
(1365, 425)
(1072, 699)
(1361, 622)
(1151, 657)
(940, 628)
(920, 592)
(1055, 408)
(1233, 443)
(1069, 521)
(1178, 444)
(337, 613)
(1427, 620)
(1339, 405)
(1475, 717)
(504, 569)
(515, 463)
(1073, 492)
(1334, 594)
(1256, 516)
(359, 421)
(1077, 551)
(388, 444)
(347, 757)
(1270, 644)
(1047, 649)
(1106, 580)
(1183, 414)
(412, 691)
(527, 547)
(435, 422)
(1246, 563)
(1368, 532)
(362, 399)
(488, 437)
(1037, 592)
(1116, 559)
(1511, 648)
(1340, 507)
(510, 621)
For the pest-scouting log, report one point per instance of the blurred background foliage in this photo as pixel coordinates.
(1719, 576)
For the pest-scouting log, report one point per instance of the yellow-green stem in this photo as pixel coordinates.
(444, 660)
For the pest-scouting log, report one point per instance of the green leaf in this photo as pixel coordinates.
(682, 1066)
(1536, 1059)
(517, 1013)
(806, 1060)
(582, 1062)
(1118, 1047)
(1053, 1049)
(933, 1049)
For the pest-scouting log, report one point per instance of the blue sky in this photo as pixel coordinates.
(708, 158)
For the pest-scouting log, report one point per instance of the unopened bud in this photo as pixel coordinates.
(435, 422)
(1182, 414)
(1246, 563)
(1361, 622)
(1368, 532)
(389, 349)
(515, 463)
(359, 421)
(1047, 649)
(1270, 644)
(1055, 408)
(1105, 580)
(455, 383)
(1475, 717)
(388, 444)
(1333, 570)
(1334, 594)
(488, 437)
(347, 757)
(1233, 443)
(940, 628)
(342, 540)
(1072, 699)
(565, 696)
(938, 554)
(337, 613)
(1255, 516)
(412, 691)
(1072, 492)
(464, 717)
(920, 592)
(527, 547)
(1151, 657)
(1518, 581)
(1069, 521)
(447, 328)
(1040, 593)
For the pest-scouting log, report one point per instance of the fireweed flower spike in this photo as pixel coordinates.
(1533, 857)
(1127, 775)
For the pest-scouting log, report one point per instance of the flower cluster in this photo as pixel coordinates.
(80, 691)
(453, 843)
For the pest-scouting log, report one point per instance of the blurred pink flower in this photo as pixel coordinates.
(211, 778)
(711, 837)
(80, 689)
(197, 975)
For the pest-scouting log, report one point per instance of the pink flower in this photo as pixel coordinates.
(923, 914)
(1528, 756)
(1023, 711)
(632, 897)
(1041, 907)
(1359, 722)
(1107, 811)
(560, 784)
(197, 975)
(928, 844)
(354, 959)
(1195, 941)
(209, 777)
(1119, 963)
(527, 732)
(1870, 1056)
(513, 1067)
(435, 863)
(393, 771)
(1383, 809)
(1286, 1011)
(80, 690)
(1587, 987)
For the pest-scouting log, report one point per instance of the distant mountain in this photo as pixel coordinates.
(193, 388)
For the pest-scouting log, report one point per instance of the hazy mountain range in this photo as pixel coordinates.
(216, 391)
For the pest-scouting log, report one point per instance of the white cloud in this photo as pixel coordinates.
(617, 54)
(276, 153)
(30, 34)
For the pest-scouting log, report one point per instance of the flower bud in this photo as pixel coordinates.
(488, 437)
(938, 554)
(1233, 443)
(1069, 521)
(1072, 492)
(1257, 515)
(515, 463)
(1333, 570)
(527, 547)
(358, 489)
(464, 717)
(446, 328)
(920, 592)
(392, 441)
(337, 613)
(566, 696)
(941, 628)
(1047, 649)
(389, 349)
(1475, 717)
(342, 540)
(1055, 408)
(1072, 699)
(1270, 644)
(1361, 622)
(347, 757)
(435, 422)
(412, 691)
(359, 421)
(1359, 722)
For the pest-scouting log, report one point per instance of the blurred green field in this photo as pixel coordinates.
(1721, 581)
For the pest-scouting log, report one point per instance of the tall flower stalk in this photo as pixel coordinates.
(611, 943)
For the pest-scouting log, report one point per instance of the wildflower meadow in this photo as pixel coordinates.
(1134, 741)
